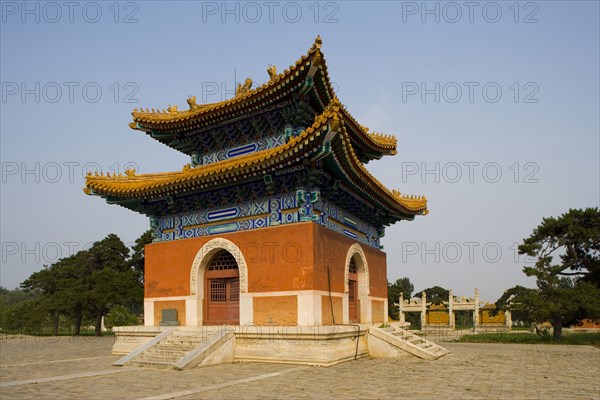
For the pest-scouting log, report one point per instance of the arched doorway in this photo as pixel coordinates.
(196, 306)
(222, 290)
(357, 285)
(353, 303)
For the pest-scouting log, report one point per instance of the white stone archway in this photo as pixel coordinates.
(362, 272)
(194, 306)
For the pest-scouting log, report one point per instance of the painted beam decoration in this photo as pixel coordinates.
(273, 211)
(285, 152)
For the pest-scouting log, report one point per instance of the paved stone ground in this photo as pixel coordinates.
(80, 368)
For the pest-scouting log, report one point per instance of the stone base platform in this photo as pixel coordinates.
(309, 345)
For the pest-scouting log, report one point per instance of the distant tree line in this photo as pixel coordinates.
(79, 290)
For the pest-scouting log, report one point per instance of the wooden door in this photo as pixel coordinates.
(222, 291)
(353, 303)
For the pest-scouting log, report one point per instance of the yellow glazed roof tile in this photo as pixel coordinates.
(172, 114)
(133, 185)
(314, 56)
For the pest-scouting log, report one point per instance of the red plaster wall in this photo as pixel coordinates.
(331, 250)
(280, 258)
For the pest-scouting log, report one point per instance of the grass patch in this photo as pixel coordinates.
(587, 338)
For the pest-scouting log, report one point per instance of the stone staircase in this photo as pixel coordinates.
(182, 349)
(168, 351)
(409, 342)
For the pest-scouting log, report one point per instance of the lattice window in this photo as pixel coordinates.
(234, 290)
(351, 291)
(221, 261)
(352, 266)
(218, 290)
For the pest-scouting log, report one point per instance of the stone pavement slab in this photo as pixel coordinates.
(471, 371)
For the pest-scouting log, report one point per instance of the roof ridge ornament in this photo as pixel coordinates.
(192, 102)
(272, 71)
(412, 202)
(245, 88)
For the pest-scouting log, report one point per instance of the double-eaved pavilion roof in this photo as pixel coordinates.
(335, 140)
(180, 128)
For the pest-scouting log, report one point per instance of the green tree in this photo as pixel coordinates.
(402, 285)
(110, 278)
(120, 316)
(14, 304)
(85, 284)
(74, 287)
(47, 286)
(14, 296)
(567, 268)
(61, 289)
(436, 294)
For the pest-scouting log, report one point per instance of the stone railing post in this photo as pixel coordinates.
(476, 315)
(423, 310)
(450, 312)
(400, 312)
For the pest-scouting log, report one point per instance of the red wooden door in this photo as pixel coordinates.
(352, 301)
(353, 305)
(222, 291)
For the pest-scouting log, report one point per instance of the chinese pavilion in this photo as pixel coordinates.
(275, 220)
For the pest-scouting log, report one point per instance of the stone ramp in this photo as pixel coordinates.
(393, 340)
(183, 349)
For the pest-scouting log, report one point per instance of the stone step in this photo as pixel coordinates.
(180, 342)
(187, 333)
(151, 364)
(173, 338)
(175, 346)
(169, 350)
(157, 358)
(418, 346)
(161, 352)
(405, 336)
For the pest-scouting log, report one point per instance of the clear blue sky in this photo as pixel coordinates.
(389, 61)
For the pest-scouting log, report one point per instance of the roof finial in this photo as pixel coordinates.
(318, 42)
